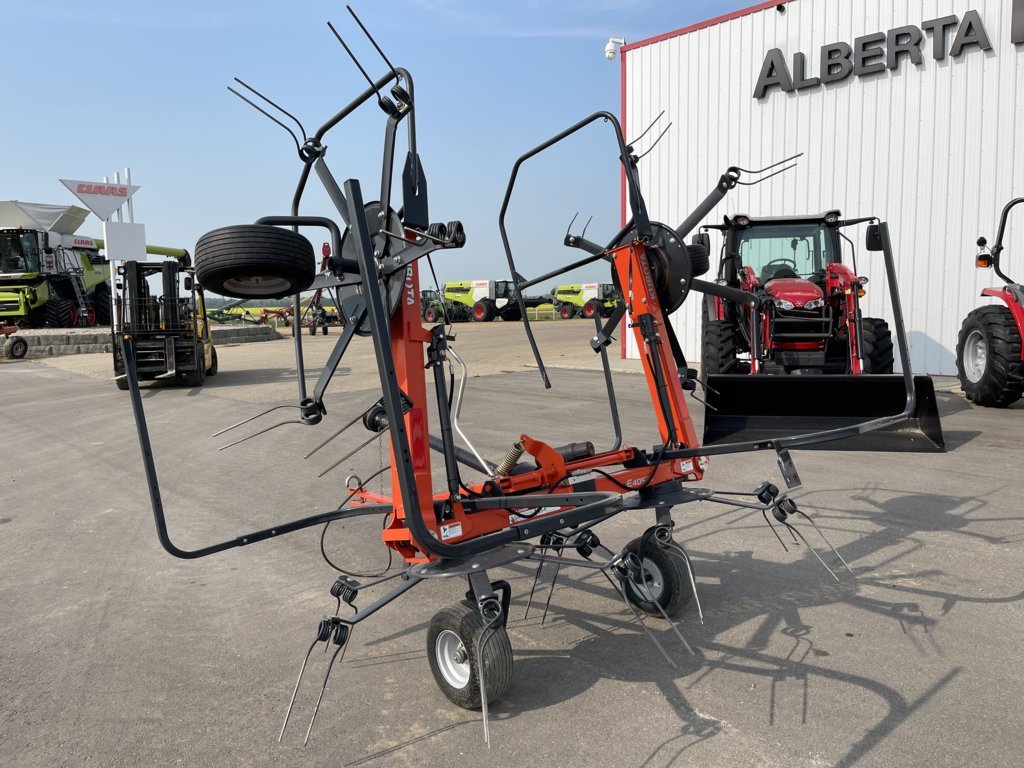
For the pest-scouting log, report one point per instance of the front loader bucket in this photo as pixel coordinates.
(760, 407)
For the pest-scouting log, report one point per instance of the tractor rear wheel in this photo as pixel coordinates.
(254, 261)
(718, 348)
(987, 351)
(452, 653)
(592, 309)
(483, 311)
(876, 348)
(430, 315)
(511, 313)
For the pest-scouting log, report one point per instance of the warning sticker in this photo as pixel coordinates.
(451, 531)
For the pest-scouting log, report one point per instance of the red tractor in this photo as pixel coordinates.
(808, 319)
(804, 317)
(989, 354)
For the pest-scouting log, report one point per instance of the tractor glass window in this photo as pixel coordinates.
(786, 250)
(503, 289)
(11, 258)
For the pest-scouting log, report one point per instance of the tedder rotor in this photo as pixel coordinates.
(543, 510)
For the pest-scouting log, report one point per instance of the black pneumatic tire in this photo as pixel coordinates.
(666, 580)
(100, 297)
(214, 367)
(718, 348)
(592, 309)
(254, 261)
(18, 349)
(457, 627)
(876, 351)
(995, 385)
(60, 313)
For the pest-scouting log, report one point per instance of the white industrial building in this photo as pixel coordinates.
(912, 111)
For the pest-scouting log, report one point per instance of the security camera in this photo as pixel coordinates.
(610, 48)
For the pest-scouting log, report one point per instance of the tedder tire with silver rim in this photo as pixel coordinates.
(452, 648)
(988, 347)
(666, 581)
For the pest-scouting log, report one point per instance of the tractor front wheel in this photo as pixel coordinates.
(592, 309)
(987, 353)
(567, 311)
(430, 315)
(876, 345)
(452, 653)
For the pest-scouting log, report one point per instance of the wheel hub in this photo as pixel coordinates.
(653, 581)
(452, 659)
(975, 356)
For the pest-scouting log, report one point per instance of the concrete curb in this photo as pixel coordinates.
(51, 342)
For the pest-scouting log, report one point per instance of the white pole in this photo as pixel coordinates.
(128, 182)
(117, 181)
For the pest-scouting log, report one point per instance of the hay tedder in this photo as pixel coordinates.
(544, 509)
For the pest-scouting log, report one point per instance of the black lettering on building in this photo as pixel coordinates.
(774, 73)
(971, 32)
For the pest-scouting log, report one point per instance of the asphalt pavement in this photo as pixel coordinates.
(114, 653)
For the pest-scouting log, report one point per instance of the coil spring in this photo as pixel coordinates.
(456, 234)
(438, 231)
(343, 590)
(509, 460)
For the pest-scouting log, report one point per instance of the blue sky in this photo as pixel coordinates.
(92, 87)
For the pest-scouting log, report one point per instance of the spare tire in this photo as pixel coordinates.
(254, 261)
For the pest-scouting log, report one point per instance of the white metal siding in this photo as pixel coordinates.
(934, 149)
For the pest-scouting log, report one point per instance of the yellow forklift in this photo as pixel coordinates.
(168, 329)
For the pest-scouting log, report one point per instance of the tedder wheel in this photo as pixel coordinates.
(451, 651)
(591, 309)
(567, 311)
(254, 261)
(987, 348)
(666, 580)
(19, 348)
(877, 345)
(212, 370)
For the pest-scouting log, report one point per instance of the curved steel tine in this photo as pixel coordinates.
(689, 571)
(647, 129)
(584, 232)
(341, 649)
(834, 550)
(480, 642)
(640, 619)
(353, 452)
(551, 591)
(773, 165)
(278, 107)
(536, 576)
(266, 114)
(569, 228)
(252, 418)
(325, 442)
(764, 514)
(660, 135)
(765, 178)
(257, 434)
(661, 610)
(813, 550)
(295, 692)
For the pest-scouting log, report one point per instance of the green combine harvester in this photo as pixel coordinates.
(489, 299)
(49, 276)
(587, 300)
